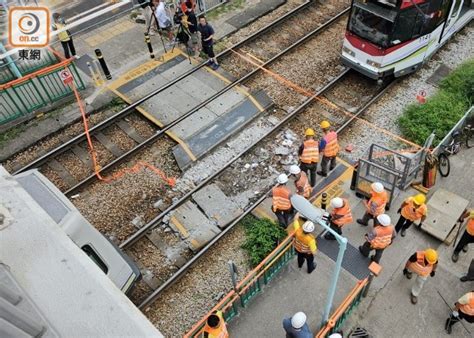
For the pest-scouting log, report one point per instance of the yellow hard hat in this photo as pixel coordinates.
(325, 124)
(431, 256)
(309, 132)
(419, 199)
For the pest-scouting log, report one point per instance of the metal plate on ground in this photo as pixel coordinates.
(444, 209)
(323, 182)
(440, 73)
(353, 261)
(193, 226)
(206, 139)
(217, 205)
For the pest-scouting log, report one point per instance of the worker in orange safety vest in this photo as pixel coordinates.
(309, 156)
(339, 216)
(281, 203)
(412, 209)
(376, 204)
(379, 238)
(302, 185)
(215, 326)
(423, 264)
(467, 237)
(464, 309)
(305, 242)
(329, 147)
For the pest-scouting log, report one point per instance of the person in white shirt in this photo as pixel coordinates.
(164, 21)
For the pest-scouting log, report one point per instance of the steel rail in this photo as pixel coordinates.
(231, 85)
(131, 108)
(183, 199)
(178, 274)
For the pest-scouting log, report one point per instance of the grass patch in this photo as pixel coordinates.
(442, 110)
(262, 236)
(229, 6)
(11, 134)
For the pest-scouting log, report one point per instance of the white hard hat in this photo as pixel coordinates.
(298, 320)
(337, 202)
(377, 187)
(335, 335)
(308, 226)
(384, 220)
(282, 179)
(295, 170)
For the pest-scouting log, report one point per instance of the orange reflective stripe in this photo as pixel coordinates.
(470, 227)
(410, 212)
(345, 212)
(302, 241)
(377, 202)
(419, 266)
(310, 152)
(469, 307)
(332, 147)
(303, 185)
(281, 198)
(383, 237)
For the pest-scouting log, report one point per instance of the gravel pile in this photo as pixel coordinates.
(385, 112)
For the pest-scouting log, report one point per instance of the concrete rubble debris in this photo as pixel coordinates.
(138, 221)
(282, 151)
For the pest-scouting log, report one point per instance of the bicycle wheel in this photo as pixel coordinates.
(469, 138)
(444, 166)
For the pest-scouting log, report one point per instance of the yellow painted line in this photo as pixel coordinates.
(260, 212)
(238, 88)
(180, 227)
(347, 164)
(343, 177)
(195, 244)
(153, 119)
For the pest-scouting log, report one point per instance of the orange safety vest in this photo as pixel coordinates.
(419, 266)
(216, 332)
(383, 237)
(302, 241)
(332, 147)
(310, 152)
(411, 213)
(281, 198)
(345, 212)
(470, 227)
(379, 201)
(469, 307)
(303, 184)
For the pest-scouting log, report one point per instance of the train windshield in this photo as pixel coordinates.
(372, 23)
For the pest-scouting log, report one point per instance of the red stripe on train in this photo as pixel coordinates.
(370, 48)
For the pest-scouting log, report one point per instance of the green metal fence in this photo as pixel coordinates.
(251, 285)
(24, 97)
(26, 66)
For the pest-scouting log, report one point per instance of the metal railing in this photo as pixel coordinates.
(251, 285)
(344, 310)
(23, 96)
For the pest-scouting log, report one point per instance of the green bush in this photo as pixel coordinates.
(442, 110)
(262, 236)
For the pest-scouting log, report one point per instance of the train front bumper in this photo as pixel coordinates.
(364, 69)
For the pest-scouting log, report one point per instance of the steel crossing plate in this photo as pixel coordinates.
(353, 261)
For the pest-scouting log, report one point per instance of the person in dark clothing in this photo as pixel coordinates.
(192, 25)
(470, 273)
(207, 35)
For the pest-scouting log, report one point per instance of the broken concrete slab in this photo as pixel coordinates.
(217, 205)
(193, 226)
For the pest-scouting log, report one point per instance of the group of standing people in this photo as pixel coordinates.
(189, 27)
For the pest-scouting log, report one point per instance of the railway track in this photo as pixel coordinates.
(115, 154)
(311, 109)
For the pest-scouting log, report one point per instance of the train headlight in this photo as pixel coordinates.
(348, 51)
(373, 64)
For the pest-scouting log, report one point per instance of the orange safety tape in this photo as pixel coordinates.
(171, 181)
(324, 101)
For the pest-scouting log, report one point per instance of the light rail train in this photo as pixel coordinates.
(386, 38)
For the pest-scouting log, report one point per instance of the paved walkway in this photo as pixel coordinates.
(387, 312)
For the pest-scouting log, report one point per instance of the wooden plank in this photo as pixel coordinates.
(108, 144)
(130, 131)
(62, 172)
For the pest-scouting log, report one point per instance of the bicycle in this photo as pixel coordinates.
(457, 139)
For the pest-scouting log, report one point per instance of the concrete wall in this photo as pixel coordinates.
(71, 291)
